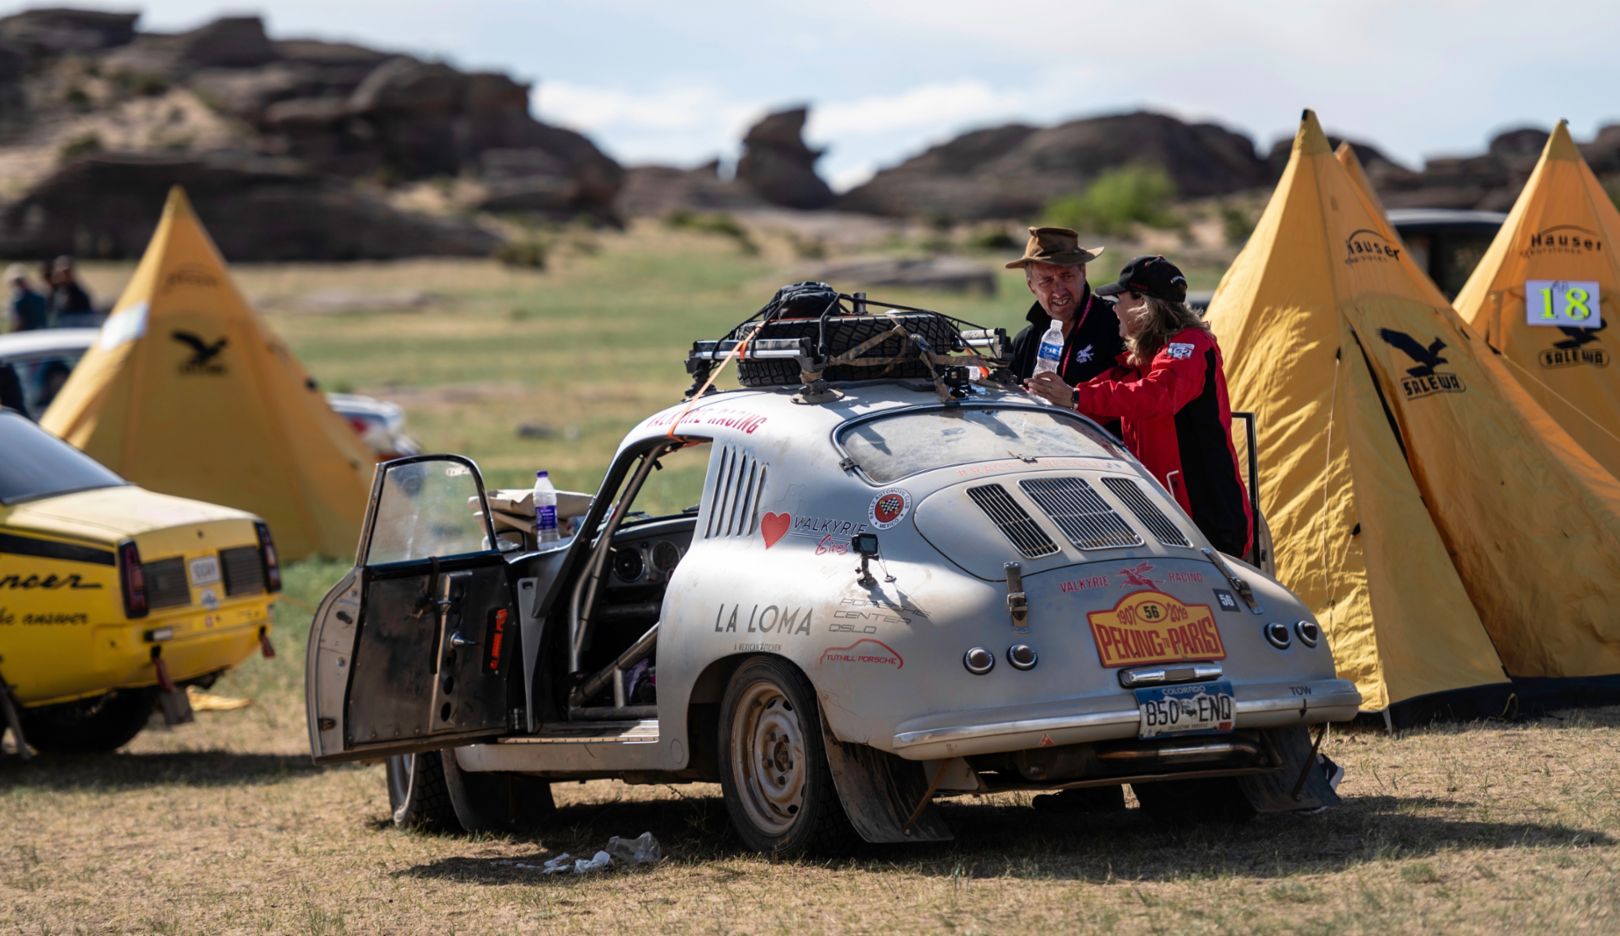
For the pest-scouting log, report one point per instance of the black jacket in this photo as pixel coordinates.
(1089, 350)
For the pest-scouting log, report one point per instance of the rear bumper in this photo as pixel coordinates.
(1081, 721)
(84, 663)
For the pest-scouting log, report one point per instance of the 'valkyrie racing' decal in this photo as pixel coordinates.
(1152, 627)
(889, 508)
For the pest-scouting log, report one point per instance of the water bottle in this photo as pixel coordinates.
(545, 509)
(1046, 360)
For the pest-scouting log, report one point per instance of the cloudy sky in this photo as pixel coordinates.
(678, 82)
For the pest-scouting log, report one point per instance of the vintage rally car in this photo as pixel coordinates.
(902, 578)
(113, 598)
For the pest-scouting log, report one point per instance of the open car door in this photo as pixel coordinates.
(1246, 443)
(410, 651)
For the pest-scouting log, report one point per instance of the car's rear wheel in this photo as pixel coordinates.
(90, 727)
(496, 802)
(418, 794)
(778, 789)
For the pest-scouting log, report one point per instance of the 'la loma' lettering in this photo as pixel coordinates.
(48, 582)
(766, 619)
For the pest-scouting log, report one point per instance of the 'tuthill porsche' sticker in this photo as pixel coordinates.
(1152, 627)
(889, 508)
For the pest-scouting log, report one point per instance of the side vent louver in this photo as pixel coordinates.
(1081, 513)
(734, 504)
(1011, 519)
(1146, 511)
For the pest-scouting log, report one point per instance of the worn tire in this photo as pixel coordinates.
(843, 333)
(96, 726)
(496, 802)
(778, 788)
(418, 794)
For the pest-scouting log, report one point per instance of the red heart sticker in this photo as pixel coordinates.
(774, 526)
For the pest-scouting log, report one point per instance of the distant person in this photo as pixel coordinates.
(1169, 392)
(27, 309)
(1054, 266)
(51, 378)
(70, 304)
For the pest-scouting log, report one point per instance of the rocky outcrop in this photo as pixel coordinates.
(256, 210)
(52, 32)
(656, 191)
(778, 166)
(338, 119)
(1013, 171)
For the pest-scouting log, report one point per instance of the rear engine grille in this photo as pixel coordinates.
(244, 572)
(1011, 519)
(166, 585)
(738, 483)
(1081, 513)
(1146, 511)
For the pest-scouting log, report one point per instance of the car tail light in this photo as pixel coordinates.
(267, 554)
(132, 577)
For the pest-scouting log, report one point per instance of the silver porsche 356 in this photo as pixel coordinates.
(904, 579)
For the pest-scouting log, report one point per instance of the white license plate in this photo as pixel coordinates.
(204, 571)
(1199, 708)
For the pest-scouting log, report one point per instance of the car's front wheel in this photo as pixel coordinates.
(778, 788)
(417, 793)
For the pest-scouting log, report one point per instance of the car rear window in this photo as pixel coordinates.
(892, 447)
(38, 464)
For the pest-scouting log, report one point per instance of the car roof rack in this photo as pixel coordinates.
(811, 336)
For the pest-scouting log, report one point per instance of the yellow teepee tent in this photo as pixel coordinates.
(188, 392)
(1352, 536)
(1347, 158)
(1545, 294)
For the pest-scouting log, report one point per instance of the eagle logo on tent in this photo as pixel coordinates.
(203, 353)
(1573, 349)
(1422, 379)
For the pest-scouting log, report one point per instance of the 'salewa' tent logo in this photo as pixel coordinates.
(1422, 378)
(203, 354)
(1577, 348)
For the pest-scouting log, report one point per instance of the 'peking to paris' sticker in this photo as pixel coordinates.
(889, 508)
(1562, 303)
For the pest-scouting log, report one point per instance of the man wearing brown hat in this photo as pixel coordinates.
(1054, 266)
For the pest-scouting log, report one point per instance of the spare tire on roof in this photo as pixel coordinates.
(895, 357)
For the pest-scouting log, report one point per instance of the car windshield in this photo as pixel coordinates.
(892, 447)
(38, 464)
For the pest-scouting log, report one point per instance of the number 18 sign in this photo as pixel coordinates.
(1564, 303)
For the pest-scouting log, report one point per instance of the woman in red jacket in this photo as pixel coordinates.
(1169, 393)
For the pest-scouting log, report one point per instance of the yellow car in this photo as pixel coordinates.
(113, 597)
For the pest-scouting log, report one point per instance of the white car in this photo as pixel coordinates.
(887, 591)
(45, 357)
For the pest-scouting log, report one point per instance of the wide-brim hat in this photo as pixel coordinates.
(1058, 246)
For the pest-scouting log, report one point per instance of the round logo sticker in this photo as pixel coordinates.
(889, 508)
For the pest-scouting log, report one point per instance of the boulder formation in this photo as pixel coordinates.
(778, 166)
(259, 209)
(1014, 170)
(343, 125)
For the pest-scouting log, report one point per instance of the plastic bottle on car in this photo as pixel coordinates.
(545, 509)
(1051, 352)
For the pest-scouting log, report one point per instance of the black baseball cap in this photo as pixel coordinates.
(1151, 276)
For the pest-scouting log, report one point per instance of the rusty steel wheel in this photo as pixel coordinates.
(778, 789)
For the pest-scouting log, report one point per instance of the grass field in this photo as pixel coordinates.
(226, 826)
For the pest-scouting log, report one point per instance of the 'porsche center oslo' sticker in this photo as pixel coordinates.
(889, 508)
(1152, 627)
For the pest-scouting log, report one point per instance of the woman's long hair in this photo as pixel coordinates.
(1164, 319)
